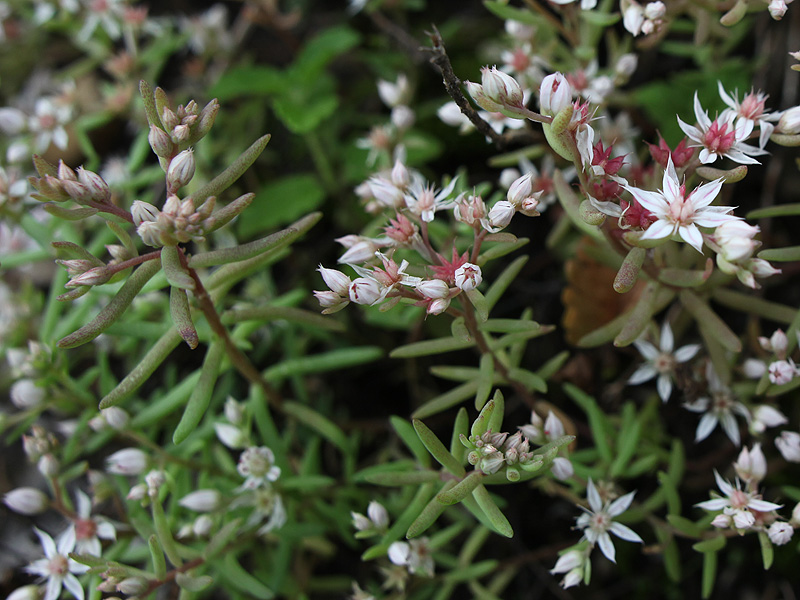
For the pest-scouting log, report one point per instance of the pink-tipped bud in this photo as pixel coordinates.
(169, 119)
(400, 175)
(65, 173)
(128, 461)
(180, 133)
(94, 276)
(433, 288)
(76, 191)
(181, 169)
(95, 184)
(335, 280)
(438, 306)
(160, 142)
(555, 94)
(520, 190)
(500, 87)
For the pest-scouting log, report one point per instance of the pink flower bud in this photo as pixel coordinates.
(562, 468)
(335, 280)
(328, 299)
(95, 185)
(181, 169)
(65, 173)
(94, 276)
(433, 288)
(160, 142)
(781, 372)
(721, 521)
(555, 94)
(468, 277)
(438, 306)
(501, 214)
(27, 501)
(400, 175)
(132, 586)
(180, 134)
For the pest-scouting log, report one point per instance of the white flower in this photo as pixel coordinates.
(721, 137)
(425, 200)
(719, 409)
(780, 533)
(782, 371)
(555, 94)
(574, 563)
(765, 416)
(57, 567)
(597, 522)
(26, 394)
(680, 214)
(750, 110)
(414, 555)
(394, 94)
(230, 435)
(257, 464)
(377, 518)
(737, 504)
(87, 529)
(661, 362)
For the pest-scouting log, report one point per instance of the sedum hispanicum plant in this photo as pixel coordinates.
(572, 359)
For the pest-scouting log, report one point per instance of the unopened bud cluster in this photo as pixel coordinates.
(82, 186)
(181, 127)
(178, 222)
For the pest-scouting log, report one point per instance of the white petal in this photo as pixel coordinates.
(83, 505)
(47, 543)
(725, 97)
(691, 235)
(670, 183)
(73, 585)
(691, 132)
(763, 505)
(715, 504)
(731, 428)
(667, 341)
(646, 349)
(606, 546)
(686, 353)
(725, 487)
(624, 532)
(399, 553)
(53, 588)
(66, 541)
(643, 373)
(664, 387)
(658, 230)
(700, 114)
(704, 195)
(594, 497)
(620, 505)
(652, 201)
(705, 427)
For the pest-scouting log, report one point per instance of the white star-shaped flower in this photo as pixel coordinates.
(679, 213)
(661, 362)
(597, 522)
(737, 504)
(57, 567)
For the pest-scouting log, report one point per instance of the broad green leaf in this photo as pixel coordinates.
(317, 52)
(767, 551)
(791, 253)
(709, 574)
(781, 210)
(302, 109)
(757, 306)
(712, 544)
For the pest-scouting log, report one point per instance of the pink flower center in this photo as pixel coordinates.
(664, 363)
(520, 60)
(739, 500)
(718, 139)
(58, 565)
(600, 522)
(85, 529)
(752, 107)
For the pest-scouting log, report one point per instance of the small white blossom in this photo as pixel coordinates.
(57, 567)
(415, 555)
(89, 530)
(598, 522)
(737, 504)
(751, 465)
(719, 409)
(788, 443)
(662, 361)
(257, 465)
(780, 533)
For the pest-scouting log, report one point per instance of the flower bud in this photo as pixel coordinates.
(520, 190)
(400, 175)
(501, 214)
(468, 277)
(438, 306)
(500, 87)
(789, 123)
(77, 191)
(160, 142)
(335, 280)
(169, 119)
(751, 466)
(95, 184)
(230, 435)
(65, 173)
(143, 212)
(328, 299)
(555, 94)
(180, 134)
(562, 468)
(364, 291)
(181, 169)
(202, 500)
(26, 394)
(403, 118)
(433, 288)
(132, 586)
(27, 501)
(626, 65)
(234, 411)
(94, 276)
(780, 533)
(781, 372)
(137, 492)
(202, 526)
(129, 461)
(117, 418)
(788, 443)
(48, 465)
(26, 592)
(394, 94)
(378, 515)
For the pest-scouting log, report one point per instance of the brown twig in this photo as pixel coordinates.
(452, 84)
